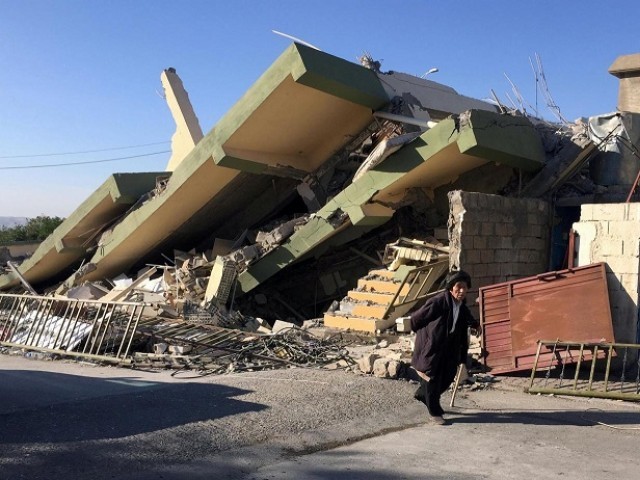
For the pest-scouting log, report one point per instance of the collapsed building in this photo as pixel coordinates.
(283, 209)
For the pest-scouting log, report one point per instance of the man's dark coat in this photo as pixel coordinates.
(438, 351)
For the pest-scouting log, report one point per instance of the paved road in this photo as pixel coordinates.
(60, 419)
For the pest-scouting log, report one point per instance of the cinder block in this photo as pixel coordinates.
(534, 219)
(520, 242)
(586, 213)
(609, 211)
(633, 212)
(480, 242)
(470, 227)
(543, 207)
(541, 231)
(470, 268)
(481, 270)
(469, 255)
(631, 247)
(487, 229)
(624, 229)
(610, 247)
(522, 256)
(629, 283)
(622, 264)
(537, 243)
(469, 200)
(525, 270)
(504, 242)
(487, 256)
(493, 271)
(502, 256)
(502, 229)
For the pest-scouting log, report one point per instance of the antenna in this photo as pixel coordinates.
(497, 100)
(544, 89)
(535, 74)
(295, 39)
(518, 95)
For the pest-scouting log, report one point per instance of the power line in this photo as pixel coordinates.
(24, 167)
(83, 151)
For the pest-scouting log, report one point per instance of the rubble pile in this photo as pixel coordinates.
(217, 351)
(349, 204)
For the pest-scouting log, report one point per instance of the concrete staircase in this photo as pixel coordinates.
(382, 296)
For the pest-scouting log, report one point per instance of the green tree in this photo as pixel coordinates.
(36, 229)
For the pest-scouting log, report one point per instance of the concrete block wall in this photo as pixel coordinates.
(497, 239)
(611, 233)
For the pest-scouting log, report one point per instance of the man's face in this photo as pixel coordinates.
(459, 291)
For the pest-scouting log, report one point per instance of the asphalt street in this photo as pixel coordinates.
(65, 419)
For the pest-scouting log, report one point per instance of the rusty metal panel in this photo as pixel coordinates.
(569, 305)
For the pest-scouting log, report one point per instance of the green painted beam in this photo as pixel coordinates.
(488, 135)
(504, 139)
(64, 247)
(339, 78)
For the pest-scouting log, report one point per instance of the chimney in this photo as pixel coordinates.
(627, 69)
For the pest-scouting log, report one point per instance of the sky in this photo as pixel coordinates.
(84, 75)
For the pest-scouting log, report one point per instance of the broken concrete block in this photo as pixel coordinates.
(180, 349)
(380, 367)
(280, 325)
(263, 326)
(395, 368)
(307, 324)
(365, 364)
(383, 344)
(403, 324)
(85, 292)
(160, 348)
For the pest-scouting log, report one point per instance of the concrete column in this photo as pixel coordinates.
(188, 132)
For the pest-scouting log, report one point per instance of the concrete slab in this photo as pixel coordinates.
(437, 157)
(78, 235)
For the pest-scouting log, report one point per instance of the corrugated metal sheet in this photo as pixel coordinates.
(570, 305)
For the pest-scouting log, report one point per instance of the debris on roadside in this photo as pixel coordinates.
(350, 218)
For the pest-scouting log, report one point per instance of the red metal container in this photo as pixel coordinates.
(569, 305)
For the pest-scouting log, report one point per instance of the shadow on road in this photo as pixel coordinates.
(582, 418)
(68, 408)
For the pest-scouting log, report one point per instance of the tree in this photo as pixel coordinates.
(35, 230)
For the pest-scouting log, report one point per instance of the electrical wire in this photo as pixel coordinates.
(25, 167)
(82, 151)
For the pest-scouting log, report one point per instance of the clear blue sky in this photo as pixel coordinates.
(81, 75)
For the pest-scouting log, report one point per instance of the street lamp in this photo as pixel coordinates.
(429, 72)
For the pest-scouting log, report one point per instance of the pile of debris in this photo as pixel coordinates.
(337, 216)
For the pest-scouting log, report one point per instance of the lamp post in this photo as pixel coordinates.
(429, 72)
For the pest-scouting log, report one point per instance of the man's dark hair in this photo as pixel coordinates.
(456, 276)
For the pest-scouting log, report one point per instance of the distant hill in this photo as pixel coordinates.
(10, 222)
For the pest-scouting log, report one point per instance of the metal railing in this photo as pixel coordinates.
(600, 370)
(69, 327)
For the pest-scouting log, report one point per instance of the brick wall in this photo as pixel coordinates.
(611, 233)
(497, 239)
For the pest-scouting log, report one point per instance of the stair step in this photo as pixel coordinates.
(383, 272)
(361, 324)
(372, 311)
(382, 286)
(373, 297)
